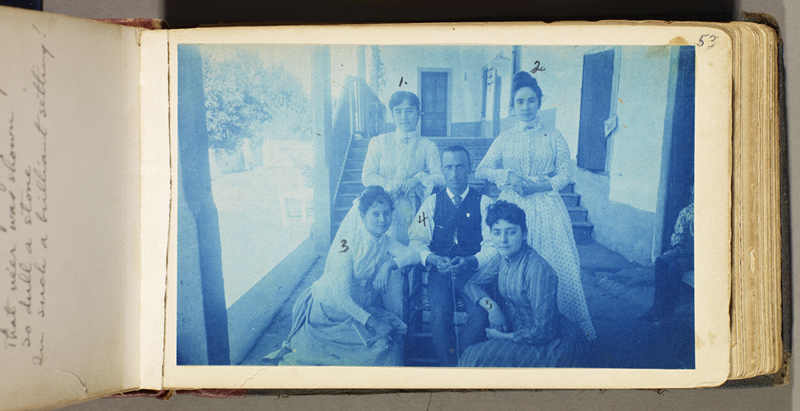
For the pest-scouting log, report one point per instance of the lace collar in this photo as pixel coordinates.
(535, 124)
(407, 137)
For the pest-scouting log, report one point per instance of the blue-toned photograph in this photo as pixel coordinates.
(436, 206)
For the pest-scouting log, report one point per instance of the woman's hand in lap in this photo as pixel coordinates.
(496, 318)
(491, 333)
(381, 327)
(408, 185)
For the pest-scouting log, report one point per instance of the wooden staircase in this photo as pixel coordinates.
(351, 187)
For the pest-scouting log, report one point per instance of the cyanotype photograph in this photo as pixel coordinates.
(436, 206)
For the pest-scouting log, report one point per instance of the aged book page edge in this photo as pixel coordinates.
(79, 116)
(155, 202)
(713, 210)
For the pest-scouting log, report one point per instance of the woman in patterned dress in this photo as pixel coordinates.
(530, 164)
(527, 329)
(406, 165)
(342, 318)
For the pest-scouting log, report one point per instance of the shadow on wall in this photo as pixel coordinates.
(619, 227)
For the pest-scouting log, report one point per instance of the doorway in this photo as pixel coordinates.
(434, 101)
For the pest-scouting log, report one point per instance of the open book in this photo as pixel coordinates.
(172, 194)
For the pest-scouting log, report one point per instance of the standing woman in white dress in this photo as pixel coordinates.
(530, 164)
(406, 165)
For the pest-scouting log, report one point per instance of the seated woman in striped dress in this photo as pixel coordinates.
(527, 329)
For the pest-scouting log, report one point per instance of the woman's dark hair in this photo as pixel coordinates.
(503, 210)
(372, 195)
(521, 80)
(400, 96)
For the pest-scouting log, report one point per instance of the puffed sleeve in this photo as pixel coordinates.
(370, 174)
(403, 255)
(420, 233)
(561, 177)
(491, 166)
(488, 252)
(476, 286)
(431, 176)
(542, 288)
(335, 289)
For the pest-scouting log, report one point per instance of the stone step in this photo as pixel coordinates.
(475, 153)
(349, 190)
(354, 175)
(571, 199)
(466, 142)
(441, 142)
(582, 232)
(578, 214)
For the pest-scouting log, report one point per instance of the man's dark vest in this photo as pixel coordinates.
(467, 218)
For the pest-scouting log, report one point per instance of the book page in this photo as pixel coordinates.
(275, 132)
(155, 202)
(69, 190)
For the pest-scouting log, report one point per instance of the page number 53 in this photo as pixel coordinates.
(707, 40)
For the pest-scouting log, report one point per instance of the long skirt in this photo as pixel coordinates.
(566, 350)
(324, 335)
(550, 234)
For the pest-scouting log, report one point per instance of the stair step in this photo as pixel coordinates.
(359, 142)
(466, 142)
(351, 187)
(577, 214)
(571, 199)
(582, 231)
(475, 153)
(352, 174)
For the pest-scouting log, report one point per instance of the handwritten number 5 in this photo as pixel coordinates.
(344, 245)
(711, 40)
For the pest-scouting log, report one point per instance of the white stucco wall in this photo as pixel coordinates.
(635, 165)
(560, 83)
(467, 73)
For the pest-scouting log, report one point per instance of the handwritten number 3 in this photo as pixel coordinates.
(344, 245)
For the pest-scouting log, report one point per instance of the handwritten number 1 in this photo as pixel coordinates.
(344, 245)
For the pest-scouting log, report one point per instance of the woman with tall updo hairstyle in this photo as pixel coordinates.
(342, 318)
(530, 164)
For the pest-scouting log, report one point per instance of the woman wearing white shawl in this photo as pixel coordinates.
(342, 318)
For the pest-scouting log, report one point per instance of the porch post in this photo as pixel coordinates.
(323, 145)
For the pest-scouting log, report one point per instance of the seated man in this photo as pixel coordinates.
(453, 241)
(671, 265)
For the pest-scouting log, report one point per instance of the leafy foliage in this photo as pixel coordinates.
(247, 98)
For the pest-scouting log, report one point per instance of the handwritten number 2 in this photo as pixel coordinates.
(536, 67)
(344, 245)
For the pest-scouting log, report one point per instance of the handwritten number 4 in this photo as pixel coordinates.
(710, 38)
(344, 245)
(421, 219)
